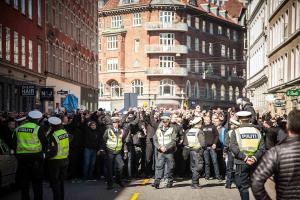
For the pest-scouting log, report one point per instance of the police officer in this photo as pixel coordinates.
(165, 142)
(114, 143)
(247, 145)
(30, 142)
(194, 140)
(57, 154)
(245, 105)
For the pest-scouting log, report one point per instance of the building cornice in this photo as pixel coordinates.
(278, 9)
(255, 11)
(294, 82)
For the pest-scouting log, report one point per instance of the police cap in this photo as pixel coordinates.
(35, 114)
(244, 114)
(54, 121)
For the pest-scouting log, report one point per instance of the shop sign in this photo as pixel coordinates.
(293, 93)
(279, 103)
(47, 94)
(62, 92)
(28, 90)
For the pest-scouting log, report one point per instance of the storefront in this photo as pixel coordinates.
(89, 98)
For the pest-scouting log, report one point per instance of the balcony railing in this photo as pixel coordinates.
(108, 31)
(236, 79)
(178, 49)
(175, 71)
(157, 26)
(211, 76)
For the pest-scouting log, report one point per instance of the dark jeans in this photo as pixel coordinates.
(211, 153)
(114, 161)
(89, 163)
(30, 170)
(135, 164)
(57, 174)
(162, 160)
(242, 180)
(196, 162)
(229, 169)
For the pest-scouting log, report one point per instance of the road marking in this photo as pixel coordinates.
(145, 181)
(135, 196)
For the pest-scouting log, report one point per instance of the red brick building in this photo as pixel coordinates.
(22, 60)
(169, 51)
(71, 50)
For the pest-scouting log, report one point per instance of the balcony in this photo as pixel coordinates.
(177, 49)
(211, 76)
(236, 79)
(175, 71)
(108, 31)
(157, 26)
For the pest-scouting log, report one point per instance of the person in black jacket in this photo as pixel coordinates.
(282, 161)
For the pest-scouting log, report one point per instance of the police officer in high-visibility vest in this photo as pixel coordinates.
(113, 139)
(57, 155)
(194, 141)
(165, 142)
(30, 144)
(247, 145)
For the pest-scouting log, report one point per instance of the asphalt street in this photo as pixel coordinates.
(141, 190)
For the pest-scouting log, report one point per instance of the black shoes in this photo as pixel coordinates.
(227, 186)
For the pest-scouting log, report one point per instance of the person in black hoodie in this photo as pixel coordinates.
(91, 143)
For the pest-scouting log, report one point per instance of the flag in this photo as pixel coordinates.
(70, 103)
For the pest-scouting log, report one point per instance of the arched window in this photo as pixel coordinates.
(223, 92)
(196, 90)
(101, 89)
(244, 92)
(116, 90)
(188, 89)
(213, 91)
(167, 87)
(207, 91)
(237, 92)
(137, 87)
(230, 93)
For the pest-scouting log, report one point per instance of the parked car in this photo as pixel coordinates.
(8, 165)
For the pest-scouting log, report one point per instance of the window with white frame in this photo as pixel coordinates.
(228, 52)
(188, 89)
(116, 90)
(188, 64)
(101, 89)
(16, 47)
(223, 50)
(213, 92)
(207, 91)
(40, 58)
(233, 54)
(237, 93)
(23, 53)
(203, 26)
(197, 23)
(230, 93)
(30, 54)
(167, 87)
(166, 39)
(112, 42)
(196, 90)
(202, 68)
(203, 46)
(223, 71)
(211, 28)
(220, 32)
(1, 41)
(210, 50)
(39, 12)
(29, 7)
(196, 66)
(137, 87)
(116, 21)
(197, 44)
(112, 64)
(166, 61)
(223, 92)
(7, 42)
(136, 45)
(166, 17)
(188, 42)
(189, 20)
(137, 21)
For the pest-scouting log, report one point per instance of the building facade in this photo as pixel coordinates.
(22, 59)
(71, 51)
(170, 52)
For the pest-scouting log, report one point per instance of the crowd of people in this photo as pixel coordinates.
(145, 142)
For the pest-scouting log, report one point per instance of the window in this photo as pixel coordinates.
(30, 9)
(230, 93)
(23, 54)
(137, 21)
(7, 44)
(116, 90)
(197, 66)
(188, 89)
(188, 42)
(211, 28)
(39, 12)
(213, 91)
(166, 61)
(235, 38)
(237, 93)
(112, 42)
(210, 50)
(166, 39)
(203, 68)
(228, 52)
(137, 87)
(189, 20)
(23, 6)
(196, 90)
(167, 87)
(16, 4)
(116, 21)
(203, 46)
(207, 91)
(197, 23)
(188, 64)
(1, 41)
(228, 33)
(220, 30)
(16, 47)
(101, 89)
(112, 64)
(223, 71)
(223, 50)
(203, 26)
(197, 44)
(166, 17)
(233, 54)
(136, 45)
(39, 58)
(30, 54)
(223, 91)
